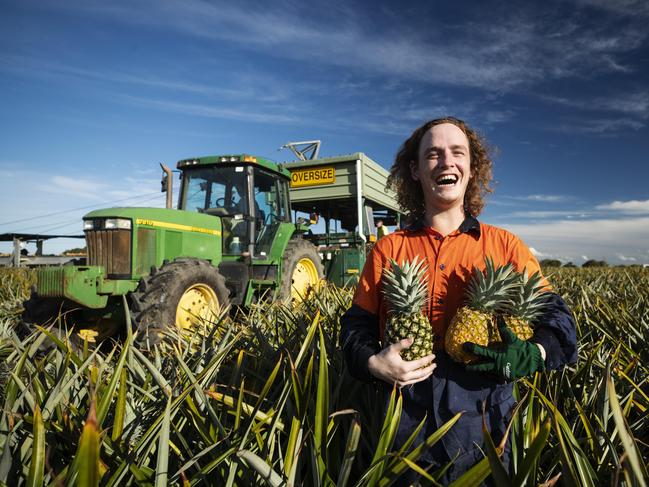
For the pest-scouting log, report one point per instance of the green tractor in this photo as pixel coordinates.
(231, 241)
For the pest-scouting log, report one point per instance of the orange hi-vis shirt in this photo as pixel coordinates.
(451, 260)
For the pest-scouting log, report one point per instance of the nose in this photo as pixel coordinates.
(445, 158)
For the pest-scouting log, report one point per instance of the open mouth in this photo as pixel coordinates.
(446, 180)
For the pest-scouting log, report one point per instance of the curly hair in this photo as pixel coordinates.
(409, 193)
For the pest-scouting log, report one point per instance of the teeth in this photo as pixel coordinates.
(447, 179)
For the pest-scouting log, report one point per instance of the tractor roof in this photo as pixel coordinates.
(229, 159)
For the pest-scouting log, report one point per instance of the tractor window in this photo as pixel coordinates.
(270, 209)
(216, 190)
(269, 203)
(220, 191)
(195, 194)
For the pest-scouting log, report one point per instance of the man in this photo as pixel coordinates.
(441, 175)
(381, 229)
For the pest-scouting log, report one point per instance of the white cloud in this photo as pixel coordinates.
(54, 203)
(203, 110)
(636, 103)
(536, 253)
(497, 56)
(599, 126)
(625, 258)
(75, 186)
(600, 238)
(243, 87)
(632, 206)
(546, 198)
(624, 7)
(551, 214)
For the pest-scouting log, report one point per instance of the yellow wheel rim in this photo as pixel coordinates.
(198, 303)
(305, 276)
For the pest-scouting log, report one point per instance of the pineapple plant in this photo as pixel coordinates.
(488, 293)
(406, 291)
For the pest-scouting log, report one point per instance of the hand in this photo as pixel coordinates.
(388, 365)
(511, 359)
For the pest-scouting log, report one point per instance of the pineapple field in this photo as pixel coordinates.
(261, 397)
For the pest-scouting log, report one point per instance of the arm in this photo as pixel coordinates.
(555, 331)
(359, 335)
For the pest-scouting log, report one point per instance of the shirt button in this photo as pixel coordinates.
(438, 237)
(442, 267)
(440, 301)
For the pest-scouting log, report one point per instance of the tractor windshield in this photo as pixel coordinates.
(215, 190)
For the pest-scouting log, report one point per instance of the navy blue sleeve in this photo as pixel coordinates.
(359, 335)
(556, 332)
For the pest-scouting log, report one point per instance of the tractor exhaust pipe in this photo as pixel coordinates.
(167, 185)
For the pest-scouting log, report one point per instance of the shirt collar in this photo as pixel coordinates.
(469, 225)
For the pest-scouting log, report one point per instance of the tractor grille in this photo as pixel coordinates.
(50, 282)
(110, 249)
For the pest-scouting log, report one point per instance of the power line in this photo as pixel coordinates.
(54, 225)
(62, 225)
(77, 209)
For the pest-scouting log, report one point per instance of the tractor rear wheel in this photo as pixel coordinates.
(302, 270)
(179, 296)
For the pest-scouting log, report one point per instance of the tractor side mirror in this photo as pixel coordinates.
(163, 183)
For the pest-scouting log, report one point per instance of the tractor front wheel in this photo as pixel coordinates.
(302, 270)
(179, 296)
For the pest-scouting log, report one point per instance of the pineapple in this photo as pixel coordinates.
(488, 293)
(406, 292)
(527, 305)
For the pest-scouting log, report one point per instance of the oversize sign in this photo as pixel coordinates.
(313, 177)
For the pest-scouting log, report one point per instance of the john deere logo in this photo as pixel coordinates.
(313, 177)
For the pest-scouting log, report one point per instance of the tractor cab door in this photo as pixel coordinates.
(270, 196)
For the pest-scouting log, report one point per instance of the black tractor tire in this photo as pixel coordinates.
(155, 303)
(300, 257)
(45, 312)
(38, 311)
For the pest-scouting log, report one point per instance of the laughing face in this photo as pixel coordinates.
(443, 167)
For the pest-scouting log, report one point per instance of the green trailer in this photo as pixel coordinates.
(348, 195)
(234, 238)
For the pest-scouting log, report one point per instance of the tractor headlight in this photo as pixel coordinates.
(89, 225)
(117, 223)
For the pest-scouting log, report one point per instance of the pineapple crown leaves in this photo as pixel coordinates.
(494, 289)
(405, 286)
(531, 299)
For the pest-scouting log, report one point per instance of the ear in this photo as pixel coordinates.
(414, 171)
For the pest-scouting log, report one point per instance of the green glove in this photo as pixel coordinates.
(511, 359)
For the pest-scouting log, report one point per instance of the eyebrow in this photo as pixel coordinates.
(453, 147)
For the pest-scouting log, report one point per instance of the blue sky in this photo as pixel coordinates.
(95, 94)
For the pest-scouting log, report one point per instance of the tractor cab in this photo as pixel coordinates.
(249, 196)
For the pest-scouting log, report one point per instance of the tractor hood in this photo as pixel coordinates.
(129, 242)
(162, 218)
